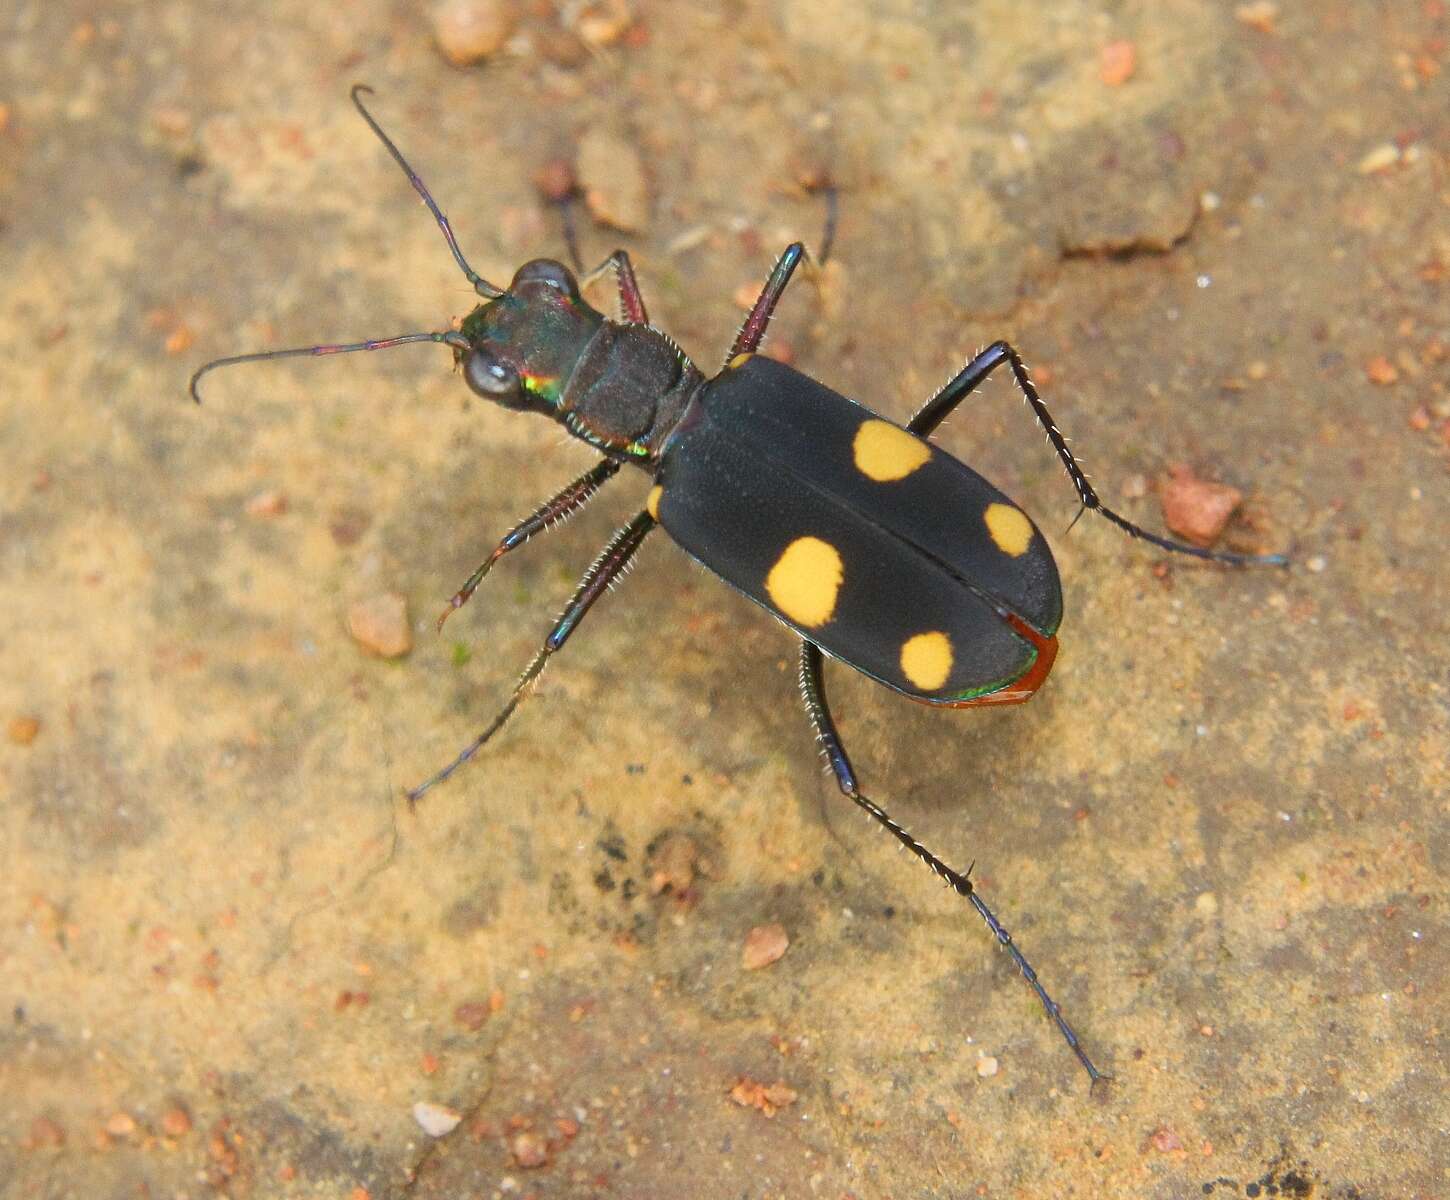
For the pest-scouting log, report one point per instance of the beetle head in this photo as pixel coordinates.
(524, 344)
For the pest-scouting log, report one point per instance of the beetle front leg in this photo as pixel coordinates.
(565, 504)
(606, 568)
(631, 300)
(752, 330)
(935, 411)
(814, 693)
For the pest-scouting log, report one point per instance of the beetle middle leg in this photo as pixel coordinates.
(813, 690)
(935, 411)
(546, 516)
(752, 329)
(606, 568)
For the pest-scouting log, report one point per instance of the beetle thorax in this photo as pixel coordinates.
(541, 347)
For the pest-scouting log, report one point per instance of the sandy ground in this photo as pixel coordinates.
(232, 962)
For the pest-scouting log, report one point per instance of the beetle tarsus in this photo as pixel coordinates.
(975, 373)
(817, 707)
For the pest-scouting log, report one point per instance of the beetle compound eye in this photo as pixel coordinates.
(546, 270)
(490, 378)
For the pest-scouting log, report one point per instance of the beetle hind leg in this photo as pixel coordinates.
(975, 373)
(814, 693)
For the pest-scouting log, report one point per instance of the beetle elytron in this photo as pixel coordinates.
(874, 546)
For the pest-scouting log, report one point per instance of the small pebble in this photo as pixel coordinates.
(560, 47)
(120, 1124)
(604, 23)
(1317, 564)
(45, 1134)
(379, 624)
(347, 524)
(1117, 61)
(764, 945)
(1197, 509)
(171, 121)
(436, 1120)
(270, 503)
(611, 171)
(175, 1121)
(745, 296)
(555, 180)
(1381, 372)
(987, 1066)
(472, 1016)
(1259, 15)
(1165, 1140)
(468, 31)
(23, 730)
(528, 1149)
(768, 1099)
(1380, 159)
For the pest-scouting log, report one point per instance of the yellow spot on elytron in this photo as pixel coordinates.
(1009, 529)
(804, 581)
(885, 453)
(740, 360)
(652, 502)
(926, 660)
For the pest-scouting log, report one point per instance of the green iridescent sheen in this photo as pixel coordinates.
(546, 387)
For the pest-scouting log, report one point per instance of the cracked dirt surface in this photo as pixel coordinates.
(232, 961)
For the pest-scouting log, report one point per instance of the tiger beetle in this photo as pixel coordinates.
(866, 540)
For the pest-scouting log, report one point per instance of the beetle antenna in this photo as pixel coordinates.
(447, 337)
(480, 285)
